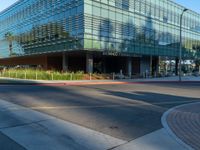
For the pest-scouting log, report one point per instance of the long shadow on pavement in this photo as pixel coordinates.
(122, 114)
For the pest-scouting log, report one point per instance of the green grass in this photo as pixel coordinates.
(41, 74)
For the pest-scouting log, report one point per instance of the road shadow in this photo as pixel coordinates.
(122, 114)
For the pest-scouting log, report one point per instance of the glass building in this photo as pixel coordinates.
(97, 35)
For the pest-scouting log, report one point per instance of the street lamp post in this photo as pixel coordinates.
(180, 51)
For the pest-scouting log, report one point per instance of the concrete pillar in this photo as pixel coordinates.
(104, 64)
(129, 66)
(158, 65)
(176, 66)
(170, 64)
(45, 65)
(64, 62)
(89, 63)
(144, 66)
(199, 69)
(151, 66)
(155, 66)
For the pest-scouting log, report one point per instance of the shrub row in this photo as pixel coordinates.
(41, 74)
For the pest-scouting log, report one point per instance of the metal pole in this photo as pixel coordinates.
(180, 51)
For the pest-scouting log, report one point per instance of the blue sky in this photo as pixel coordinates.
(5, 3)
(191, 4)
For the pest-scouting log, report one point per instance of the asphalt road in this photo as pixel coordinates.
(125, 111)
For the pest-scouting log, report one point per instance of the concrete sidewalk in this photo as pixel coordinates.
(157, 140)
(8, 144)
(34, 130)
(96, 82)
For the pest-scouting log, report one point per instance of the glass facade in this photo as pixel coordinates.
(148, 27)
(41, 26)
(116, 27)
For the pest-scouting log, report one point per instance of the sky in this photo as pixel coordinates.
(5, 3)
(191, 4)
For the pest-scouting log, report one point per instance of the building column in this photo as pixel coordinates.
(176, 66)
(64, 62)
(151, 66)
(104, 64)
(155, 66)
(45, 65)
(158, 66)
(170, 64)
(129, 66)
(89, 63)
(145, 66)
(199, 69)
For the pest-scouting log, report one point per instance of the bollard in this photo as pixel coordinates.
(90, 76)
(71, 76)
(36, 77)
(121, 73)
(113, 76)
(52, 76)
(155, 74)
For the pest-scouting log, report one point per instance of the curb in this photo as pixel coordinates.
(87, 82)
(171, 133)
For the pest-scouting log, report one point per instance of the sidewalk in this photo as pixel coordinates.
(38, 131)
(8, 144)
(157, 140)
(96, 82)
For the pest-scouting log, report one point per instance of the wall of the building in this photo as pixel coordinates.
(149, 27)
(118, 27)
(115, 26)
(31, 60)
(87, 62)
(44, 26)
